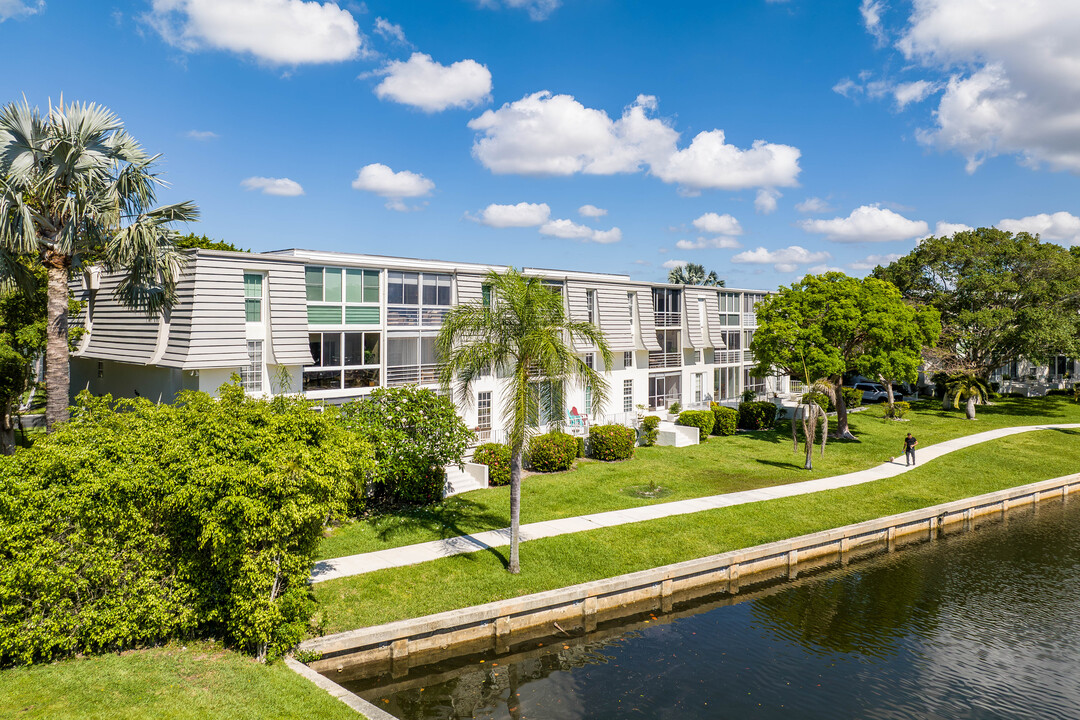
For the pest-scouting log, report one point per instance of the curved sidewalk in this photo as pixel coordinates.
(423, 552)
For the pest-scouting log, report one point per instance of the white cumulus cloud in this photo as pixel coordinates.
(432, 87)
(283, 187)
(720, 242)
(871, 11)
(538, 9)
(545, 134)
(390, 31)
(278, 32)
(19, 8)
(872, 261)
(869, 223)
(913, 92)
(591, 211)
(783, 260)
(672, 264)
(394, 186)
(813, 205)
(521, 215)
(948, 229)
(1013, 77)
(724, 224)
(1059, 226)
(765, 201)
(571, 230)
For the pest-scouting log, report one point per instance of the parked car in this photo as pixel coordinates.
(872, 392)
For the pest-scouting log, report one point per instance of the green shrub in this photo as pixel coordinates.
(675, 408)
(703, 420)
(898, 410)
(415, 433)
(497, 457)
(649, 430)
(581, 446)
(553, 452)
(725, 420)
(612, 442)
(758, 415)
(852, 398)
(136, 522)
(822, 400)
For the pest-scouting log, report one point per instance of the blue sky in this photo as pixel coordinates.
(763, 139)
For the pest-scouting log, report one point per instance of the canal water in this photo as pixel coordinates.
(984, 624)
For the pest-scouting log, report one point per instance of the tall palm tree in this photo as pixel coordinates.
(75, 189)
(967, 386)
(694, 274)
(525, 334)
(811, 414)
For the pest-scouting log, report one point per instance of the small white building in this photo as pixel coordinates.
(334, 326)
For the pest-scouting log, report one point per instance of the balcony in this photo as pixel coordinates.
(416, 315)
(748, 356)
(412, 375)
(668, 319)
(749, 320)
(664, 360)
(727, 357)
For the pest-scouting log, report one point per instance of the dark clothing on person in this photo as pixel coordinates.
(909, 450)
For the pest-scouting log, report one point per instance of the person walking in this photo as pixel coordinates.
(909, 449)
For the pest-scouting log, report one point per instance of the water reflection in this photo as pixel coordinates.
(982, 625)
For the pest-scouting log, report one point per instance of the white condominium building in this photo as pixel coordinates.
(336, 325)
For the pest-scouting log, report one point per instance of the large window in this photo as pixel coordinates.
(753, 383)
(253, 295)
(342, 296)
(666, 306)
(361, 286)
(726, 381)
(343, 360)
(411, 359)
(729, 308)
(417, 298)
(251, 374)
(664, 389)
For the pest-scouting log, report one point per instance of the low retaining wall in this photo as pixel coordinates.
(501, 625)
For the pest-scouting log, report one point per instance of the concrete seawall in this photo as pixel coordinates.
(503, 625)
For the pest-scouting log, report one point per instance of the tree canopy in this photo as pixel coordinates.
(1001, 297)
(827, 325)
(202, 242)
(693, 274)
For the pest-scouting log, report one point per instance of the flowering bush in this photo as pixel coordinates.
(497, 457)
(612, 442)
(415, 433)
(553, 452)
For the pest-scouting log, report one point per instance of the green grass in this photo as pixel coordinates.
(199, 681)
(721, 465)
(475, 578)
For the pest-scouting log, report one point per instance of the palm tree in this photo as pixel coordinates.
(968, 387)
(693, 274)
(812, 413)
(76, 189)
(525, 335)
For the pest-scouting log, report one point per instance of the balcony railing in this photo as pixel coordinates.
(668, 319)
(728, 356)
(748, 356)
(415, 315)
(664, 360)
(749, 319)
(412, 375)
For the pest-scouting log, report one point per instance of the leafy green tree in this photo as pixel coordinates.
(137, 523)
(22, 340)
(525, 335)
(1001, 296)
(693, 274)
(831, 324)
(202, 242)
(415, 433)
(968, 387)
(74, 185)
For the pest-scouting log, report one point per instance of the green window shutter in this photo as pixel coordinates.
(371, 286)
(313, 278)
(332, 285)
(253, 309)
(323, 315)
(354, 286)
(361, 316)
(253, 297)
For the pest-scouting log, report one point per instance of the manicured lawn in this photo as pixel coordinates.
(201, 681)
(465, 580)
(721, 465)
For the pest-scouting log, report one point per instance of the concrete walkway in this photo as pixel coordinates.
(423, 552)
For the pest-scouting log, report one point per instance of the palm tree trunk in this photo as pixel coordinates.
(515, 509)
(971, 407)
(57, 377)
(7, 433)
(809, 428)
